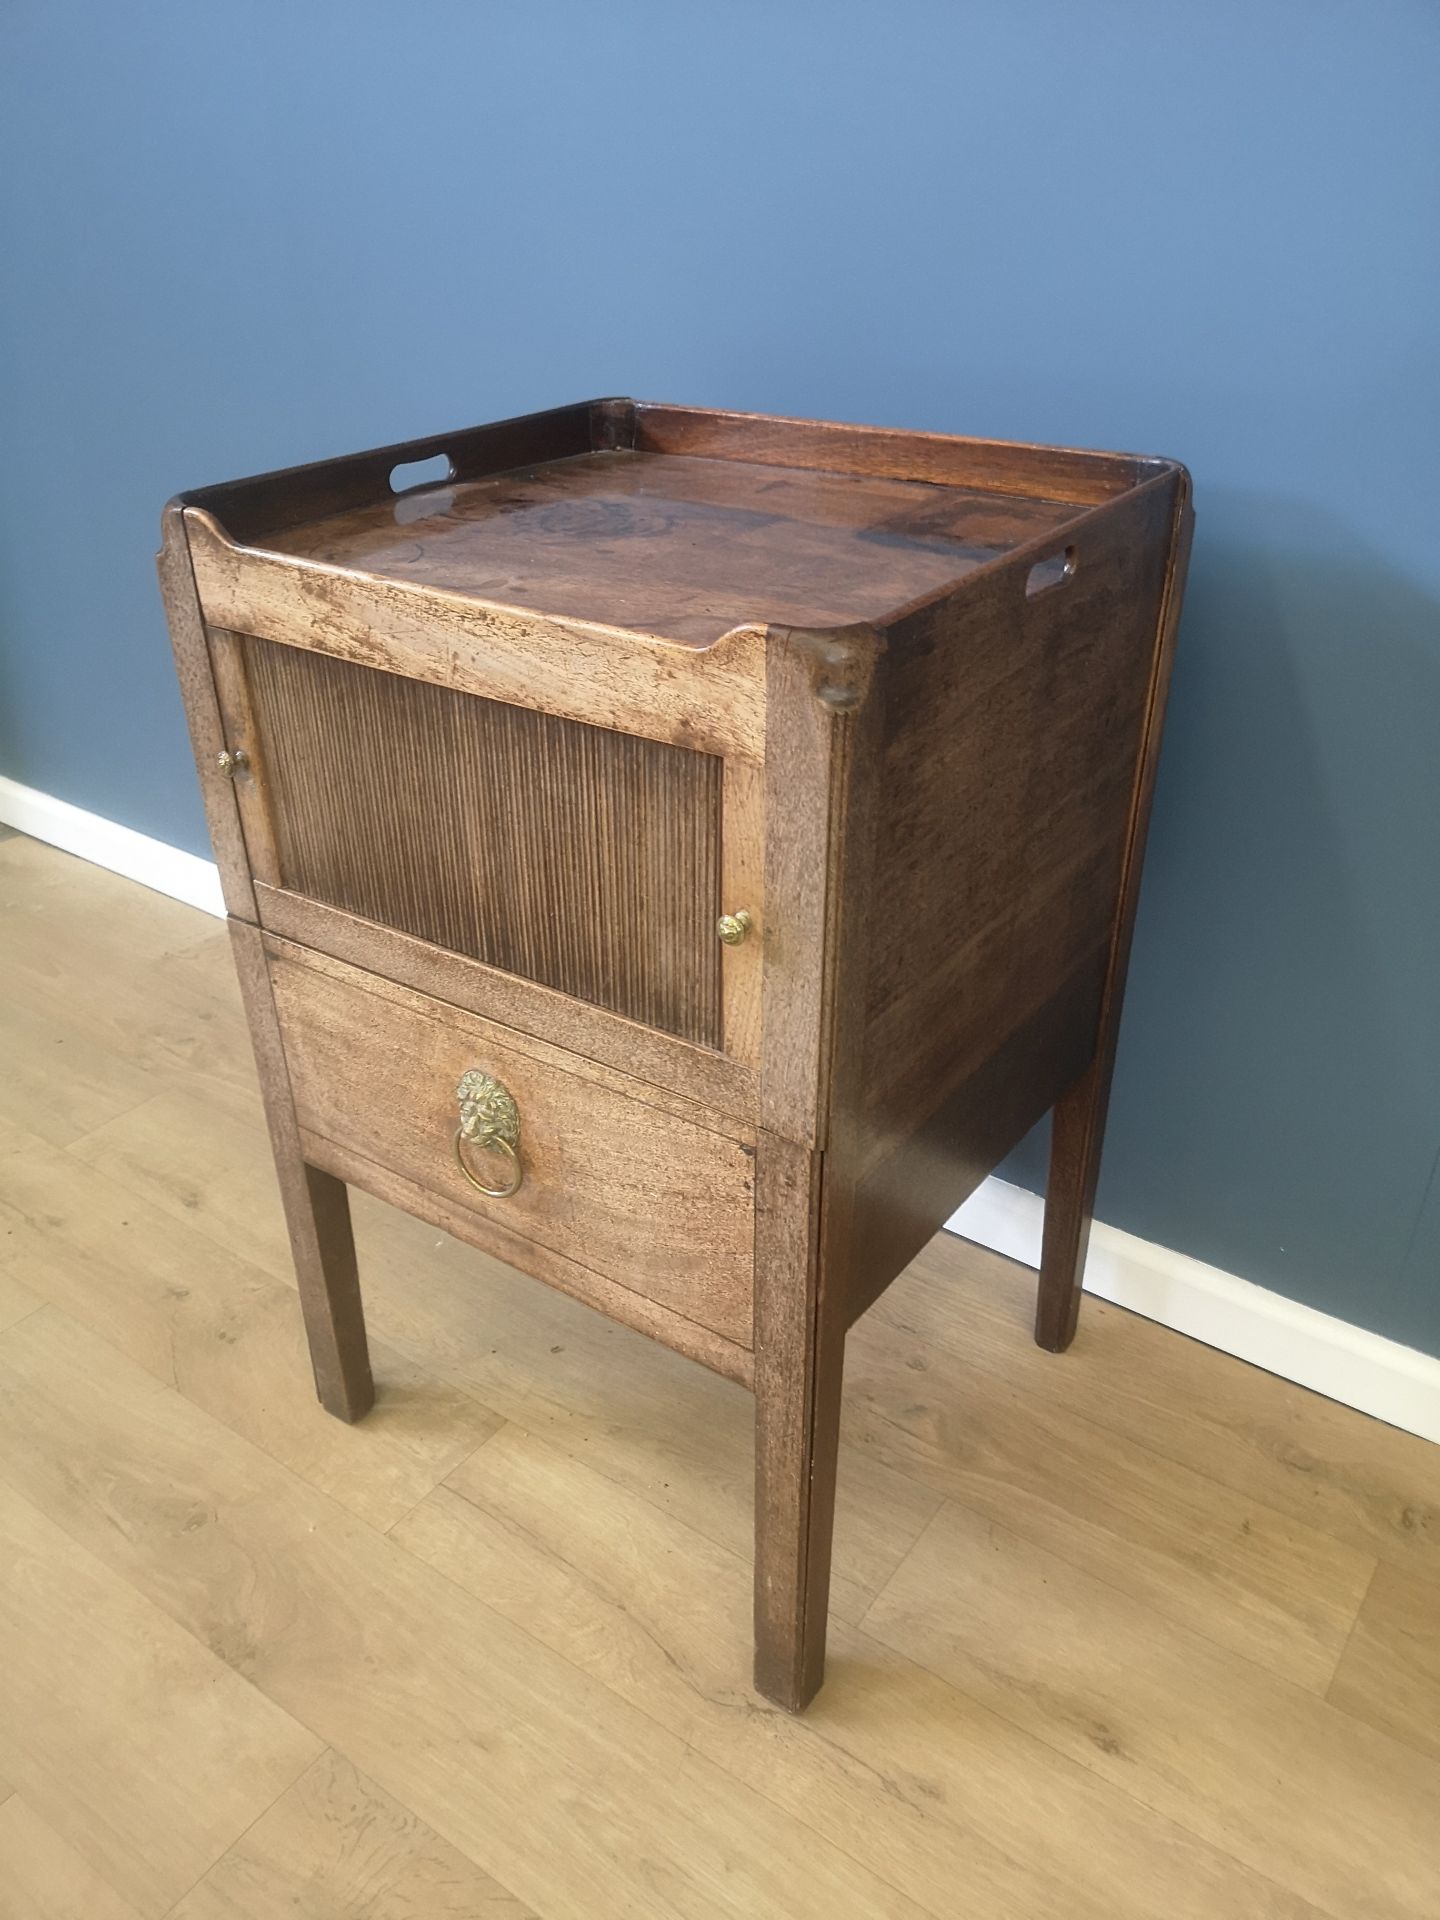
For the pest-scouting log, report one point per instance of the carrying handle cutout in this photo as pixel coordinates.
(421, 473)
(1053, 571)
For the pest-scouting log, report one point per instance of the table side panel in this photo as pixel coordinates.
(1013, 727)
(913, 1182)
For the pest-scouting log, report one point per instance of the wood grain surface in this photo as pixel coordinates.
(317, 1208)
(678, 546)
(1016, 722)
(1077, 1130)
(484, 1663)
(898, 696)
(993, 467)
(581, 858)
(644, 1053)
(45, 1877)
(180, 596)
(336, 1844)
(1012, 733)
(80, 1650)
(660, 1204)
(709, 698)
(1389, 1673)
(492, 1235)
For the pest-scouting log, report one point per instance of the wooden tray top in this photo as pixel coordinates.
(680, 546)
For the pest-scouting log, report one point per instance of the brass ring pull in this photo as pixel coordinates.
(489, 1120)
(517, 1172)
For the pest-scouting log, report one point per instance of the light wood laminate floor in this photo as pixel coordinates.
(1135, 1632)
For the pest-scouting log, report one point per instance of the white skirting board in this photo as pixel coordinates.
(1394, 1383)
(1359, 1369)
(184, 876)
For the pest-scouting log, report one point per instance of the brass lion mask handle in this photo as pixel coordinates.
(489, 1123)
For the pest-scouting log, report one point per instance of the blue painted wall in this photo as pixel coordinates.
(240, 236)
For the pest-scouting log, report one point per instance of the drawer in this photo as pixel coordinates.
(618, 1179)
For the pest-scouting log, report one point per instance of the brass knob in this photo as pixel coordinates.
(489, 1122)
(232, 763)
(733, 927)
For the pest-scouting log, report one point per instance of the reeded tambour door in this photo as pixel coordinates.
(582, 858)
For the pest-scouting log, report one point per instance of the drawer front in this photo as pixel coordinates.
(654, 1200)
(583, 859)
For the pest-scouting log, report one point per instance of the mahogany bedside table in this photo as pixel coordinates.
(681, 853)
